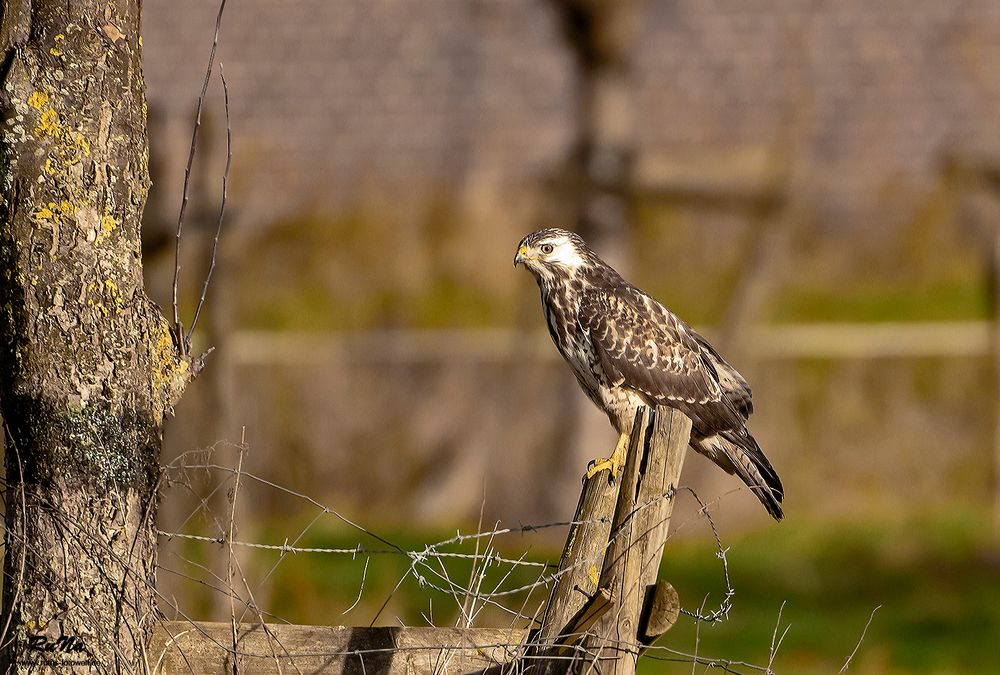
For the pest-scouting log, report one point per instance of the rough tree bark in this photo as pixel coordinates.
(89, 367)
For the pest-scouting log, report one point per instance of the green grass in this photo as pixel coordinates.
(936, 581)
(937, 589)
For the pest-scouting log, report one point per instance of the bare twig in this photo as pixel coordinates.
(361, 588)
(230, 571)
(860, 639)
(697, 634)
(178, 327)
(10, 442)
(775, 640)
(471, 599)
(222, 209)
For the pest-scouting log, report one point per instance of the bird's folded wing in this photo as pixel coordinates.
(734, 387)
(641, 345)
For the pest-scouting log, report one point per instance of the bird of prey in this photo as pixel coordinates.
(628, 350)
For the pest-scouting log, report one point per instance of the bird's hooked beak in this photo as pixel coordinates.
(520, 258)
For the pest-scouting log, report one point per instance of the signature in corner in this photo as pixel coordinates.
(63, 643)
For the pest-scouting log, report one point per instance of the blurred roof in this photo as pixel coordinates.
(857, 100)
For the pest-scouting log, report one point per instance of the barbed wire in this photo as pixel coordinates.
(421, 568)
(353, 551)
(427, 566)
(490, 583)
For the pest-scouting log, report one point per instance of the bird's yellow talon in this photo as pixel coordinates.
(595, 466)
(613, 463)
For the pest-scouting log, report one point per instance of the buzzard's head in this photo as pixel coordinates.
(552, 253)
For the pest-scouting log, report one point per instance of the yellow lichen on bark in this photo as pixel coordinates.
(72, 145)
(108, 225)
(171, 373)
(38, 99)
(49, 124)
(53, 216)
(112, 291)
(56, 49)
(55, 213)
(65, 148)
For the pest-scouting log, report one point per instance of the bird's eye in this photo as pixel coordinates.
(547, 248)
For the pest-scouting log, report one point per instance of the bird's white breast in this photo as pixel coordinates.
(618, 403)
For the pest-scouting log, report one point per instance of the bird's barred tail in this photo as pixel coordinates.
(747, 460)
(753, 468)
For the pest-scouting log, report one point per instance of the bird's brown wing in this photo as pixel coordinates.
(734, 387)
(641, 345)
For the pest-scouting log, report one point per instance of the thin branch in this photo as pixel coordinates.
(222, 209)
(697, 634)
(178, 328)
(860, 640)
(775, 640)
(230, 570)
(9, 438)
(361, 588)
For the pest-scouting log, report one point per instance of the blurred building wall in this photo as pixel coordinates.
(331, 98)
(857, 100)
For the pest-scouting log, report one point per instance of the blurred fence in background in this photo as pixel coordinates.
(894, 417)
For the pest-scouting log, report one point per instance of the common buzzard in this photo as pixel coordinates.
(628, 350)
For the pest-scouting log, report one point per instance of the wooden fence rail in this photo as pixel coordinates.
(790, 341)
(204, 648)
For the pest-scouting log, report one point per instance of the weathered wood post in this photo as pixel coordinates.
(606, 603)
(638, 534)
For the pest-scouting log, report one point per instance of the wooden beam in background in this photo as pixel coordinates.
(846, 340)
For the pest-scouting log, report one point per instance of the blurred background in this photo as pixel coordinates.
(814, 185)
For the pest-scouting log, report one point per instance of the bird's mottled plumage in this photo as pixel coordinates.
(627, 350)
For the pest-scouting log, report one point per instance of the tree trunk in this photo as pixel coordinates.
(601, 36)
(89, 367)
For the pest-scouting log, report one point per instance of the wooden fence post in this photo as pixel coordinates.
(606, 596)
